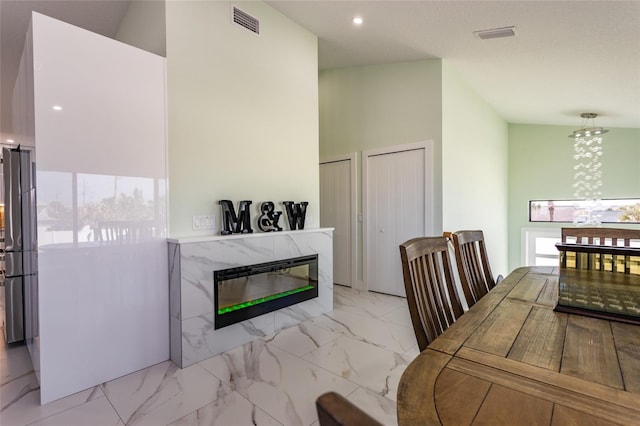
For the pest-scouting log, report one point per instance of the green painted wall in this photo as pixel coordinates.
(379, 106)
(384, 105)
(474, 171)
(541, 167)
(242, 112)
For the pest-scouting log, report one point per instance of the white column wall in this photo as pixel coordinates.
(101, 167)
(22, 101)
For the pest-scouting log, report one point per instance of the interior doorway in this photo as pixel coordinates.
(397, 206)
(338, 211)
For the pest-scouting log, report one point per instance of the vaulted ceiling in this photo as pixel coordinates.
(568, 56)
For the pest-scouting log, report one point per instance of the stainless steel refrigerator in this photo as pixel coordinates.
(20, 242)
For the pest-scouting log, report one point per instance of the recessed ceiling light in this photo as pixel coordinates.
(358, 20)
(57, 107)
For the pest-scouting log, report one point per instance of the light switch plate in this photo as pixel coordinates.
(204, 222)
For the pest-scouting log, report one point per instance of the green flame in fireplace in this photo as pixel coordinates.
(262, 300)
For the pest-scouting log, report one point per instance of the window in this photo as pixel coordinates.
(613, 210)
(539, 246)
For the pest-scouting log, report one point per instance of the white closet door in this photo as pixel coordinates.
(397, 184)
(337, 211)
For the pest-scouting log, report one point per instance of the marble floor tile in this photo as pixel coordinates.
(384, 298)
(98, 412)
(231, 409)
(375, 305)
(282, 384)
(163, 393)
(412, 352)
(339, 288)
(399, 316)
(374, 368)
(302, 338)
(359, 350)
(387, 298)
(20, 401)
(381, 333)
(15, 361)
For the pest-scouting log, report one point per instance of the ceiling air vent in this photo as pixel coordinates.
(246, 21)
(496, 33)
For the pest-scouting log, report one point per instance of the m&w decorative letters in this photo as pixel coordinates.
(268, 219)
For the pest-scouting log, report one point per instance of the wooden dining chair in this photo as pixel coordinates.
(602, 237)
(473, 266)
(335, 410)
(433, 301)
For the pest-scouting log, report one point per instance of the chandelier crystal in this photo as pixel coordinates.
(588, 171)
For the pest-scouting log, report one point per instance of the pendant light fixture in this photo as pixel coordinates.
(588, 131)
(588, 174)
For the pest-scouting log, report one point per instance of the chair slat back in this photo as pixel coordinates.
(603, 237)
(473, 264)
(433, 301)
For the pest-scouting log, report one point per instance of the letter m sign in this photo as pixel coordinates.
(232, 224)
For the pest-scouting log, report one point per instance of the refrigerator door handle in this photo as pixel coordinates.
(13, 263)
(14, 309)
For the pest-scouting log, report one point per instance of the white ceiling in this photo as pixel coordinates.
(569, 57)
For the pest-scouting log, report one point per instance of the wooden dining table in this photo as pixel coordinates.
(512, 360)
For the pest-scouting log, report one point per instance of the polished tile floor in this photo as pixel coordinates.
(360, 350)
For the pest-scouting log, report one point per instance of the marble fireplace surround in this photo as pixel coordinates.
(191, 265)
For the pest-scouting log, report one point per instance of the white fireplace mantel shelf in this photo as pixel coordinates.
(192, 262)
(259, 234)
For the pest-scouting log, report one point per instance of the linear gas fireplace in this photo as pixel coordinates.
(195, 301)
(248, 291)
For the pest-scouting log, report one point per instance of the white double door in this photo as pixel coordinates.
(397, 207)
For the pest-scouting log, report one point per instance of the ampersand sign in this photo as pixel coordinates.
(268, 220)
